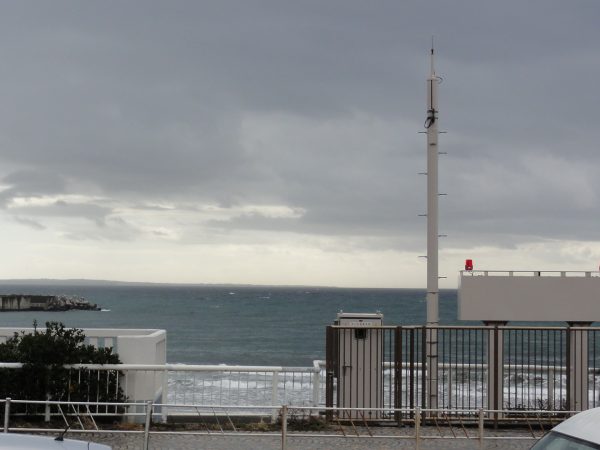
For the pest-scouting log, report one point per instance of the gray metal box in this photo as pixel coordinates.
(360, 364)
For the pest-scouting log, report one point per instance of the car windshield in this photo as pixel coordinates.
(558, 441)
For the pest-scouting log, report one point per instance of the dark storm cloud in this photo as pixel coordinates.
(150, 102)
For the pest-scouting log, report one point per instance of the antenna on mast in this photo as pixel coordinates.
(432, 52)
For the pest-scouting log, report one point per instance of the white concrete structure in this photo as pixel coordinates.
(134, 346)
(495, 296)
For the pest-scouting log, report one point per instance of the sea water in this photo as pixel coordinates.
(282, 326)
(250, 325)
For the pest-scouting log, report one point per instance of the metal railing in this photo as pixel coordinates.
(531, 273)
(476, 425)
(494, 367)
(179, 384)
(244, 385)
(514, 368)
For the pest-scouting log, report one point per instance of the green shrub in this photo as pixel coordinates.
(43, 376)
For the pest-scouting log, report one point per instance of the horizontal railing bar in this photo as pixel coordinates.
(302, 408)
(530, 271)
(494, 327)
(371, 327)
(64, 402)
(282, 370)
(513, 366)
(177, 368)
(60, 430)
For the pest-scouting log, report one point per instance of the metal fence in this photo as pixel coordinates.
(476, 425)
(390, 368)
(181, 384)
(458, 368)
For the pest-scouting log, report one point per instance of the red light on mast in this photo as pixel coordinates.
(469, 264)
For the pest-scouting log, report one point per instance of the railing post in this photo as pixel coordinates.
(47, 410)
(551, 388)
(284, 414)
(164, 398)
(398, 374)
(147, 424)
(431, 371)
(495, 362)
(424, 368)
(316, 386)
(449, 375)
(329, 371)
(417, 428)
(6, 414)
(578, 366)
(481, 428)
(274, 387)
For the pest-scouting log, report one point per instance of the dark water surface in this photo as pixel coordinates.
(233, 325)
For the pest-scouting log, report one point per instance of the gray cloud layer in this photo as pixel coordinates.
(310, 105)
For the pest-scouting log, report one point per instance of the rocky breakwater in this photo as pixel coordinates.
(24, 302)
(65, 303)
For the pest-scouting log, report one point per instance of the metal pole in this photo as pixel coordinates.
(147, 425)
(481, 430)
(6, 414)
(165, 395)
(274, 387)
(316, 387)
(284, 413)
(417, 428)
(431, 124)
(47, 410)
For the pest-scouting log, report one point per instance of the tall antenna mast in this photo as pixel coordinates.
(431, 124)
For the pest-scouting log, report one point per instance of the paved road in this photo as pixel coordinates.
(297, 442)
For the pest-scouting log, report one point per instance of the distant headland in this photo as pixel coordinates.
(25, 302)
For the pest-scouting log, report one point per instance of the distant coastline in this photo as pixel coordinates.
(99, 283)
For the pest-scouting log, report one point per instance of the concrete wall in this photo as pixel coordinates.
(14, 303)
(523, 297)
(134, 346)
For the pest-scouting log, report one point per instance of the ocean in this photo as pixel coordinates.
(249, 325)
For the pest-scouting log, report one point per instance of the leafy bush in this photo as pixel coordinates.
(44, 353)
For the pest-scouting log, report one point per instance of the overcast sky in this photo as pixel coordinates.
(277, 142)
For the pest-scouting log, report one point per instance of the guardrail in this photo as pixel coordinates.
(494, 367)
(531, 273)
(534, 368)
(199, 384)
(462, 379)
(476, 425)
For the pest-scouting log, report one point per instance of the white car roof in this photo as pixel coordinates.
(585, 425)
(29, 442)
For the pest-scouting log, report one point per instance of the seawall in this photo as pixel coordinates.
(26, 302)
